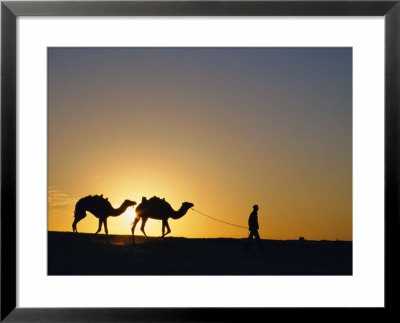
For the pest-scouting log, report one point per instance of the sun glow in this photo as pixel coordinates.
(123, 223)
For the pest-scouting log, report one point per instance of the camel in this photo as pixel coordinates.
(159, 209)
(100, 207)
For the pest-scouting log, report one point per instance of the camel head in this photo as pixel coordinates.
(182, 211)
(129, 203)
(187, 205)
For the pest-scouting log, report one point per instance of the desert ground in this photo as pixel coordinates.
(89, 254)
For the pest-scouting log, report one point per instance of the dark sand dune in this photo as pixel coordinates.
(87, 254)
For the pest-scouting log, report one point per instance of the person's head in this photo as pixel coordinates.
(255, 207)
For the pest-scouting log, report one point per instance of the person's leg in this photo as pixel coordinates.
(249, 239)
(257, 236)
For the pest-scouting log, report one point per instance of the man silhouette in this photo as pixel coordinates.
(253, 227)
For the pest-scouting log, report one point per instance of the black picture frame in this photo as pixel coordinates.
(11, 10)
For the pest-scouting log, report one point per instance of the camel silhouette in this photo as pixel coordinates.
(159, 209)
(100, 207)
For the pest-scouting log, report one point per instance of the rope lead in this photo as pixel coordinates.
(235, 225)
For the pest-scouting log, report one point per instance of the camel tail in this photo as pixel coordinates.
(76, 211)
(79, 213)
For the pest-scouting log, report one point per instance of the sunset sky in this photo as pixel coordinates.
(223, 128)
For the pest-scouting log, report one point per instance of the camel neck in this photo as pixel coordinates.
(120, 210)
(180, 213)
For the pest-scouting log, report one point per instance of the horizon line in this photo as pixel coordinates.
(176, 237)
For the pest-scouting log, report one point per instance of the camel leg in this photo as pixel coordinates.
(165, 225)
(74, 229)
(79, 215)
(106, 230)
(144, 220)
(100, 224)
(137, 219)
(105, 226)
(168, 228)
(163, 230)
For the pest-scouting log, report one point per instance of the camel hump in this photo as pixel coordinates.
(155, 201)
(99, 200)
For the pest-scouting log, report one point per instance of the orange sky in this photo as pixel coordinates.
(221, 128)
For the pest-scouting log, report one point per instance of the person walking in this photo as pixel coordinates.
(253, 227)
